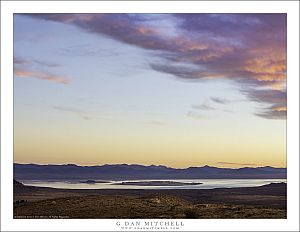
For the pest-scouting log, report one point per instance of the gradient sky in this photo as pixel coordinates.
(177, 90)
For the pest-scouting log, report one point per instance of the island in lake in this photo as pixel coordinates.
(156, 183)
(94, 181)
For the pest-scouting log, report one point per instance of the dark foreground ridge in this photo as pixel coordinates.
(134, 171)
(268, 201)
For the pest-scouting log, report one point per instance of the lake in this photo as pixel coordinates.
(206, 184)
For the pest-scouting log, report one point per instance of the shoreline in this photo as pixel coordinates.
(153, 184)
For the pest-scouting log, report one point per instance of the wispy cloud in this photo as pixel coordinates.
(41, 76)
(81, 113)
(186, 73)
(220, 100)
(247, 48)
(272, 114)
(18, 61)
(196, 116)
(204, 107)
(47, 64)
(238, 164)
(22, 61)
(275, 99)
(86, 50)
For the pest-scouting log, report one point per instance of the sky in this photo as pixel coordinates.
(178, 90)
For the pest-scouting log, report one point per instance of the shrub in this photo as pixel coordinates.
(191, 214)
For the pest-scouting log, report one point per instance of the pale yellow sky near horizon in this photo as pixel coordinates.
(192, 143)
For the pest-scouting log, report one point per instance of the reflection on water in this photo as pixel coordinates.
(206, 184)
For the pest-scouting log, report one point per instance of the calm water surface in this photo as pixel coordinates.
(206, 184)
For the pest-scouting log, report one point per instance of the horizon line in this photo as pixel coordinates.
(157, 165)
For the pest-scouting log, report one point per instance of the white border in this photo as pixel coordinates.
(10, 7)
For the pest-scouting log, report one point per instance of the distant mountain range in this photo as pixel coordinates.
(134, 171)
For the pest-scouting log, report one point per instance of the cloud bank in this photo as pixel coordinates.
(247, 48)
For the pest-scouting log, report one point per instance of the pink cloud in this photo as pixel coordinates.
(247, 48)
(41, 76)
